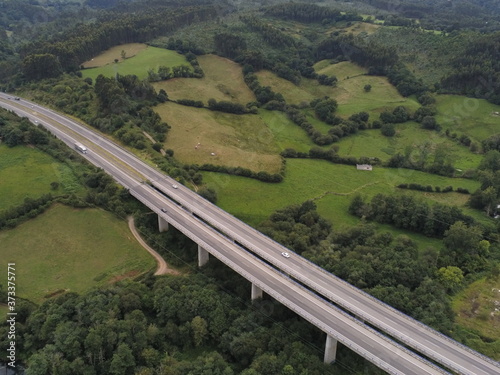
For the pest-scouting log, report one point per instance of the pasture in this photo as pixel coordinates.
(27, 173)
(475, 118)
(235, 140)
(67, 249)
(349, 92)
(286, 134)
(250, 141)
(109, 56)
(223, 81)
(331, 186)
(372, 143)
(144, 60)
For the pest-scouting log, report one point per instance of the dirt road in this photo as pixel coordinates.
(163, 267)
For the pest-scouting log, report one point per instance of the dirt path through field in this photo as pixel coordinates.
(163, 267)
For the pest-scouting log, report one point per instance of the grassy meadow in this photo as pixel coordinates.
(139, 64)
(372, 143)
(349, 92)
(476, 308)
(27, 173)
(223, 80)
(332, 186)
(72, 250)
(236, 140)
(250, 141)
(475, 118)
(285, 133)
(109, 56)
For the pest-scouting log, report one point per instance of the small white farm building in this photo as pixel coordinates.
(364, 167)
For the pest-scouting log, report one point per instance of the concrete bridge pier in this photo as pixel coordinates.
(202, 256)
(330, 350)
(162, 224)
(256, 292)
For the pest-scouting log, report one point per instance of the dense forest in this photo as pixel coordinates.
(441, 14)
(202, 322)
(149, 327)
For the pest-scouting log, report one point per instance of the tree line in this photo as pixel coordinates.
(431, 189)
(244, 172)
(307, 13)
(407, 212)
(330, 154)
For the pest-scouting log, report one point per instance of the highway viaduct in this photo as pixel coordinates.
(282, 284)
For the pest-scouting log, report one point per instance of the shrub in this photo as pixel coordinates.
(289, 153)
(190, 103)
(388, 130)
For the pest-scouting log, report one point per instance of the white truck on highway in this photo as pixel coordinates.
(81, 148)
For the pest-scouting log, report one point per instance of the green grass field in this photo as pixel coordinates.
(330, 185)
(473, 117)
(27, 172)
(349, 92)
(286, 133)
(236, 140)
(372, 143)
(293, 94)
(145, 59)
(223, 81)
(250, 141)
(72, 250)
(476, 308)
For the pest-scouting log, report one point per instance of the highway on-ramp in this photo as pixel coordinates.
(412, 333)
